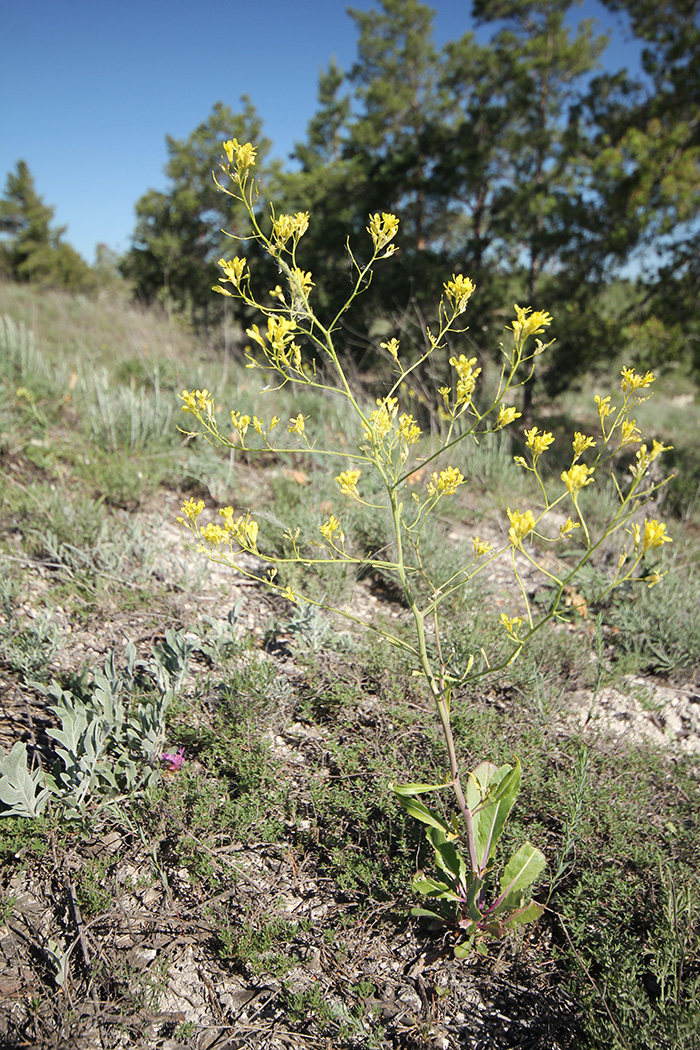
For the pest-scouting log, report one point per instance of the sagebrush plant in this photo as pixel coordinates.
(412, 473)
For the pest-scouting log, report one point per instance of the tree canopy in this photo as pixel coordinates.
(31, 249)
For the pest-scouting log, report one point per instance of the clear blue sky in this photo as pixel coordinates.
(88, 91)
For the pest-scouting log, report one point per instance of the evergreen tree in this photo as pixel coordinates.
(178, 238)
(648, 160)
(541, 196)
(32, 249)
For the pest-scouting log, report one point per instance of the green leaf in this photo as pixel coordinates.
(494, 792)
(430, 887)
(420, 812)
(416, 789)
(19, 789)
(530, 913)
(520, 872)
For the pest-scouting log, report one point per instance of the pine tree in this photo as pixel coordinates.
(178, 237)
(33, 250)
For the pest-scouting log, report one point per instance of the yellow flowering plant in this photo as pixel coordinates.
(390, 451)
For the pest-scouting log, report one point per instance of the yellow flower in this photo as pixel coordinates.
(192, 509)
(296, 425)
(382, 229)
(240, 423)
(348, 480)
(506, 416)
(197, 401)
(538, 442)
(235, 269)
(577, 477)
(630, 432)
(409, 430)
(213, 534)
(568, 527)
(382, 419)
(244, 154)
(604, 406)
(301, 281)
(393, 347)
(657, 449)
(458, 291)
(528, 323)
(329, 529)
(481, 547)
(286, 226)
(581, 443)
(467, 376)
(446, 482)
(653, 535)
(511, 624)
(632, 380)
(520, 525)
(644, 458)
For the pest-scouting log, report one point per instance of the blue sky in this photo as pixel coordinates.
(88, 92)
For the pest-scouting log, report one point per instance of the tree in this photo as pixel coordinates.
(648, 160)
(178, 237)
(533, 188)
(33, 250)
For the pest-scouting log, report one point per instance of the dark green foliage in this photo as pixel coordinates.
(34, 251)
(178, 240)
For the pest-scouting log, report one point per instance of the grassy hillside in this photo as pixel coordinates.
(254, 888)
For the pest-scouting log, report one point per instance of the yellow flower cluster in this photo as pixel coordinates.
(191, 510)
(528, 323)
(568, 527)
(521, 524)
(581, 443)
(300, 281)
(382, 419)
(244, 154)
(481, 547)
(631, 433)
(197, 402)
(280, 335)
(644, 457)
(466, 378)
(409, 431)
(329, 529)
(506, 416)
(653, 534)
(458, 291)
(296, 425)
(243, 530)
(577, 477)
(382, 229)
(538, 441)
(286, 226)
(446, 482)
(604, 406)
(632, 380)
(393, 347)
(234, 269)
(348, 480)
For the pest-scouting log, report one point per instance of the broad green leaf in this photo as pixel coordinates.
(520, 872)
(530, 913)
(446, 855)
(430, 887)
(490, 814)
(416, 809)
